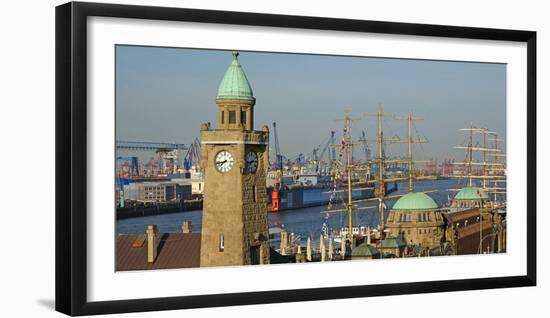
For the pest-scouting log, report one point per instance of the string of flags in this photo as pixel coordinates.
(338, 174)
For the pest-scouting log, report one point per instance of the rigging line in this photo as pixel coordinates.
(418, 134)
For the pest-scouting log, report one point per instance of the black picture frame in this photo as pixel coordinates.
(71, 157)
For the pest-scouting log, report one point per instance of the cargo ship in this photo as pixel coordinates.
(156, 208)
(303, 197)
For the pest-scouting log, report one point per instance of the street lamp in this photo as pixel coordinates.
(480, 243)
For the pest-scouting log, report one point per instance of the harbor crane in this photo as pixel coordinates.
(134, 166)
(326, 147)
(278, 156)
(331, 153)
(193, 156)
(167, 151)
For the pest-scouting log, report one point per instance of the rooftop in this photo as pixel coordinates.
(175, 250)
(392, 242)
(415, 201)
(364, 250)
(471, 193)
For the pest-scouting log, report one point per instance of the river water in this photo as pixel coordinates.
(304, 222)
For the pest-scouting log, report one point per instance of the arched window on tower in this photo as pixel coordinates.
(222, 243)
(243, 117)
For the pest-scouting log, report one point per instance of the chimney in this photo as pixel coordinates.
(152, 243)
(187, 227)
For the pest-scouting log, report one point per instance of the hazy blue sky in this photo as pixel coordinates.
(163, 94)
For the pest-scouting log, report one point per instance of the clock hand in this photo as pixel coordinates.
(219, 163)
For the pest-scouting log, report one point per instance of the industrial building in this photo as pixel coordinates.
(157, 192)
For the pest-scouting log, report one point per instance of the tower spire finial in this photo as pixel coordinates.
(235, 54)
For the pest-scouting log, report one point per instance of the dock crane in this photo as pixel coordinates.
(161, 148)
(193, 156)
(318, 153)
(134, 166)
(279, 170)
(327, 145)
(324, 150)
(278, 156)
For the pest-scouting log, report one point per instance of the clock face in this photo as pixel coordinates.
(224, 161)
(251, 162)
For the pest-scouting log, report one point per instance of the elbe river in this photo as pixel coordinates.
(303, 222)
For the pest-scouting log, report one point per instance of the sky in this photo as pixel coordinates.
(164, 94)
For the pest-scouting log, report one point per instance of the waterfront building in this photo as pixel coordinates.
(474, 224)
(470, 197)
(416, 219)
(464, 231)
(196, 185)
(197, 181)
(157, 192)
(234, 162)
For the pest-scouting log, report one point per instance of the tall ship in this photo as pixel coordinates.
(473, 221)
(477, 212)
(483, 169)
(378, 174)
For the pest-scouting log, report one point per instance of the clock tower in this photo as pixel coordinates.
(234, 162)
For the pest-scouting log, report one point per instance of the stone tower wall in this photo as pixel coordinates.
(229, 208)
(423, 228)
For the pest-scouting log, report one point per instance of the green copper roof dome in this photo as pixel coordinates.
(471, 193)
(392, 242)
(364, 250)
(415, 201)
(234, 84)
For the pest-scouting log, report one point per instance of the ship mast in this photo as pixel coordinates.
(470, 162)
(381, 184)
(410, 142)
(495, 160)
(497, 166)
(346, 146)
(470, 155)
(381, 141)
(484, 180)
(347, 140)
(381, 193)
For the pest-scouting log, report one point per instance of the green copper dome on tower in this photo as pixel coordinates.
(471, 193)
(234, 84)
(392, 242)
(415, 201)
(364, 250)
